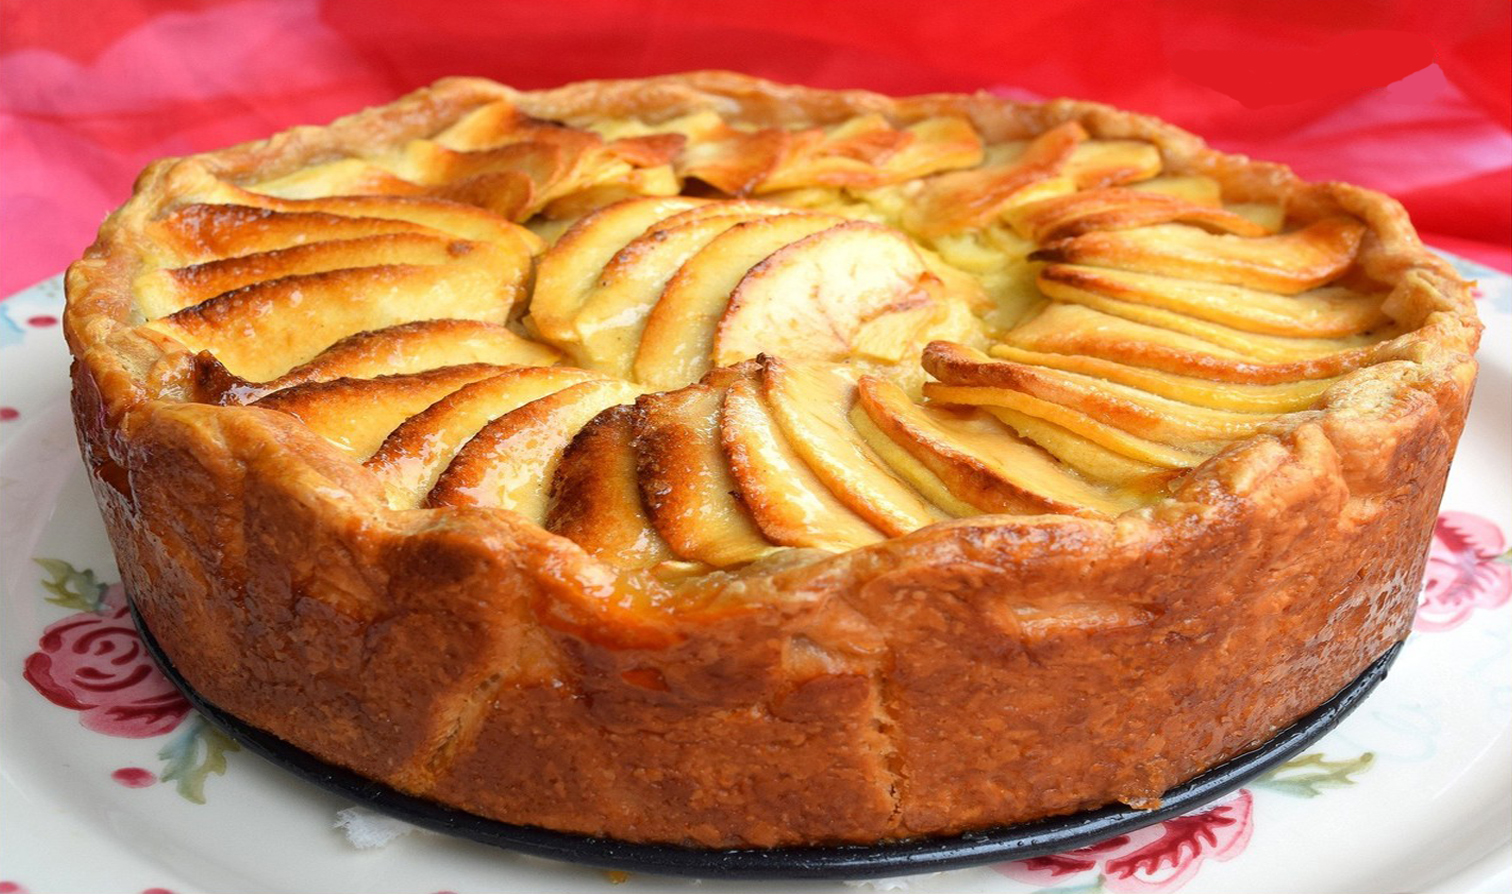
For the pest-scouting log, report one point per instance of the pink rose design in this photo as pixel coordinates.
(94, 663)
(1158, 858)
(1466, 571)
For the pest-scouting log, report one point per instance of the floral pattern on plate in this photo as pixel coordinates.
(1469, 568)
(94, 662)
(1162, 857)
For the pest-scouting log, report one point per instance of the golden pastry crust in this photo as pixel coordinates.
(975, 672)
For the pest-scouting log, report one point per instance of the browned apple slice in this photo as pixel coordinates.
(595, 495)
(606, 177)
(508, 464)
(347, 176)
(413, 456)
(844, 155)
(1256, 345)
(437, 214)
(811, 402)
(1114, 438)
(1287, 263)
(544, 155)
(981, 461)
(866, 151)
(542, 168)
(648, 150)
(1063, 328)
(1271, 217)
(788, 502)
(609, 185)
(1132, 409)
(202, 232)
(945, 143)
(1136, 479)
(357, 414)
(569, 269)
(732, 161)
(416, 347)
(1328, 312)
(1098, 163)
(1087, 211)
(1282, 397)
(814, 297)
(613, 316)
(961, 200)
(261, 331)
(511, 194)
(162, 292)
(685, 483)
(679, 335)
(1196, 188)
(486, 126)
(750, 208)
(907, 467)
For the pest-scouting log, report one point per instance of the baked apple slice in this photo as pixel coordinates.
(983, 463)
(961, 200)
(200, 232)
(413, 456)
(1321, 313)
(357, 414)
(1196, 188)
(1282, 397)
(1066, 328)
(437, 214)
(816, 298)
(1062, 217)
(1131, 409)
(945, 143)
(867, 151)
(609, 326)
(1263, 348)
(508, 464)
(788, 502)
(685, 483)
(735, 162)
(165, 291)
(566, 273)
(261, 331)
(908, 467)
(490, 124)
(1132, 478)
(1287, 263)
(595, 496)
(1098, 163)
(811, 402)
(417, 347)
(346, 176)
(680, 330)
(1092, 428)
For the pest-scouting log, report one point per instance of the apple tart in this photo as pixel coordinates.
(709, 461)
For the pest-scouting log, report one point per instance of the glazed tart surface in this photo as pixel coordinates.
(704, 460)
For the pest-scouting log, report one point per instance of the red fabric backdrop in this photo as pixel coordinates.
(1412, 97)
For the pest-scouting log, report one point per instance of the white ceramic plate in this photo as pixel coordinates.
(107, 786)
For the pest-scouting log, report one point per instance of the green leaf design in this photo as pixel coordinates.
(1505, 558)
(1310, 774)
(70, 587)
(197, 751)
